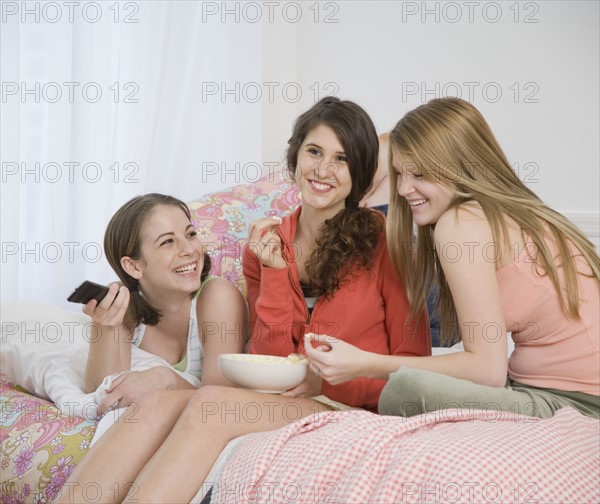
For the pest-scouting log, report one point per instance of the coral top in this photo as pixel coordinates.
(551, 350)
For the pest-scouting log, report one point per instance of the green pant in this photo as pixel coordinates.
(412, 391)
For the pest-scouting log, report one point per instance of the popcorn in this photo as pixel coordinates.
(297, 359)
(271, 359)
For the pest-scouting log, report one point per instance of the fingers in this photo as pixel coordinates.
(122, 302)
(89, 308)
(320, 358)
(115, 296)
(296, 391)
(269, 241)
(314, 355)
(311, 386)
(116, 382)
(325, 339)
(109, 403)
(265, 243)
(114, 395)
(114, 291)
(111, 310)
(319, 352)
(259, 228)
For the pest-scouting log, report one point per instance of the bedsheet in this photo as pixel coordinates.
(455, 456)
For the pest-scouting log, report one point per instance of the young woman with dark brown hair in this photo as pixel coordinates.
(325, 269)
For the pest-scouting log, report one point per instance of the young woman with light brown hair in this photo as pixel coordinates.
(505, 262)
(166, 297)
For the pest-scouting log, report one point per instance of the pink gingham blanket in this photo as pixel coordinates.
(453, 456)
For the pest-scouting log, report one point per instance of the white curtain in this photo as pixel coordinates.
(101, 105)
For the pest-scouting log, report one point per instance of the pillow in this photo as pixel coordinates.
(223, 218)
(45, 348)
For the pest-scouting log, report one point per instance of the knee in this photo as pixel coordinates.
(206, 405)
(150, 413)
(408, 392)
(218, 412)
(207, 394)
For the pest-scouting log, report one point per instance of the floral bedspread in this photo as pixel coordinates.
(41, 446)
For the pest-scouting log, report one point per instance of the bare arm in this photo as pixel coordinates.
(472, 280)
(110, 350)
(221, 311)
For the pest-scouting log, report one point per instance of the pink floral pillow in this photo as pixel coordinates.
(41, 446)
(223, 218)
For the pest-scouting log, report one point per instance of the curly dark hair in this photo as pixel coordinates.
(348, 240)
(123, 238)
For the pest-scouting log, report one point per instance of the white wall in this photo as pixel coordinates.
(392, 56)
(532, 68)
(388, 56)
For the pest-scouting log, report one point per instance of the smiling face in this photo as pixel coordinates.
(171, 254)
(324, 176)
(427, 199)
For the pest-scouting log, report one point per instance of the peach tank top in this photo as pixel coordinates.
(551, 350)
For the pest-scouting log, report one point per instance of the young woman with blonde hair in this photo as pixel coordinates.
(505, 262)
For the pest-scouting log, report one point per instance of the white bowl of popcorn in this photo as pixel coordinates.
(264, 373)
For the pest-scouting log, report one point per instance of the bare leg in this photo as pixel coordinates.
(213, 417)
(113, 463)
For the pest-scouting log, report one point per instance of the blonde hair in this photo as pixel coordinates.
(447, 140)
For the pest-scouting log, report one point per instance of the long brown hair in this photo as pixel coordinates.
(123, 238)
(447, 140)
(350, 237)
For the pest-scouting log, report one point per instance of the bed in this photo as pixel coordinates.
(462, 456)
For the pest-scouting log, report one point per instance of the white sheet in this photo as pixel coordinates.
(44, 350)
